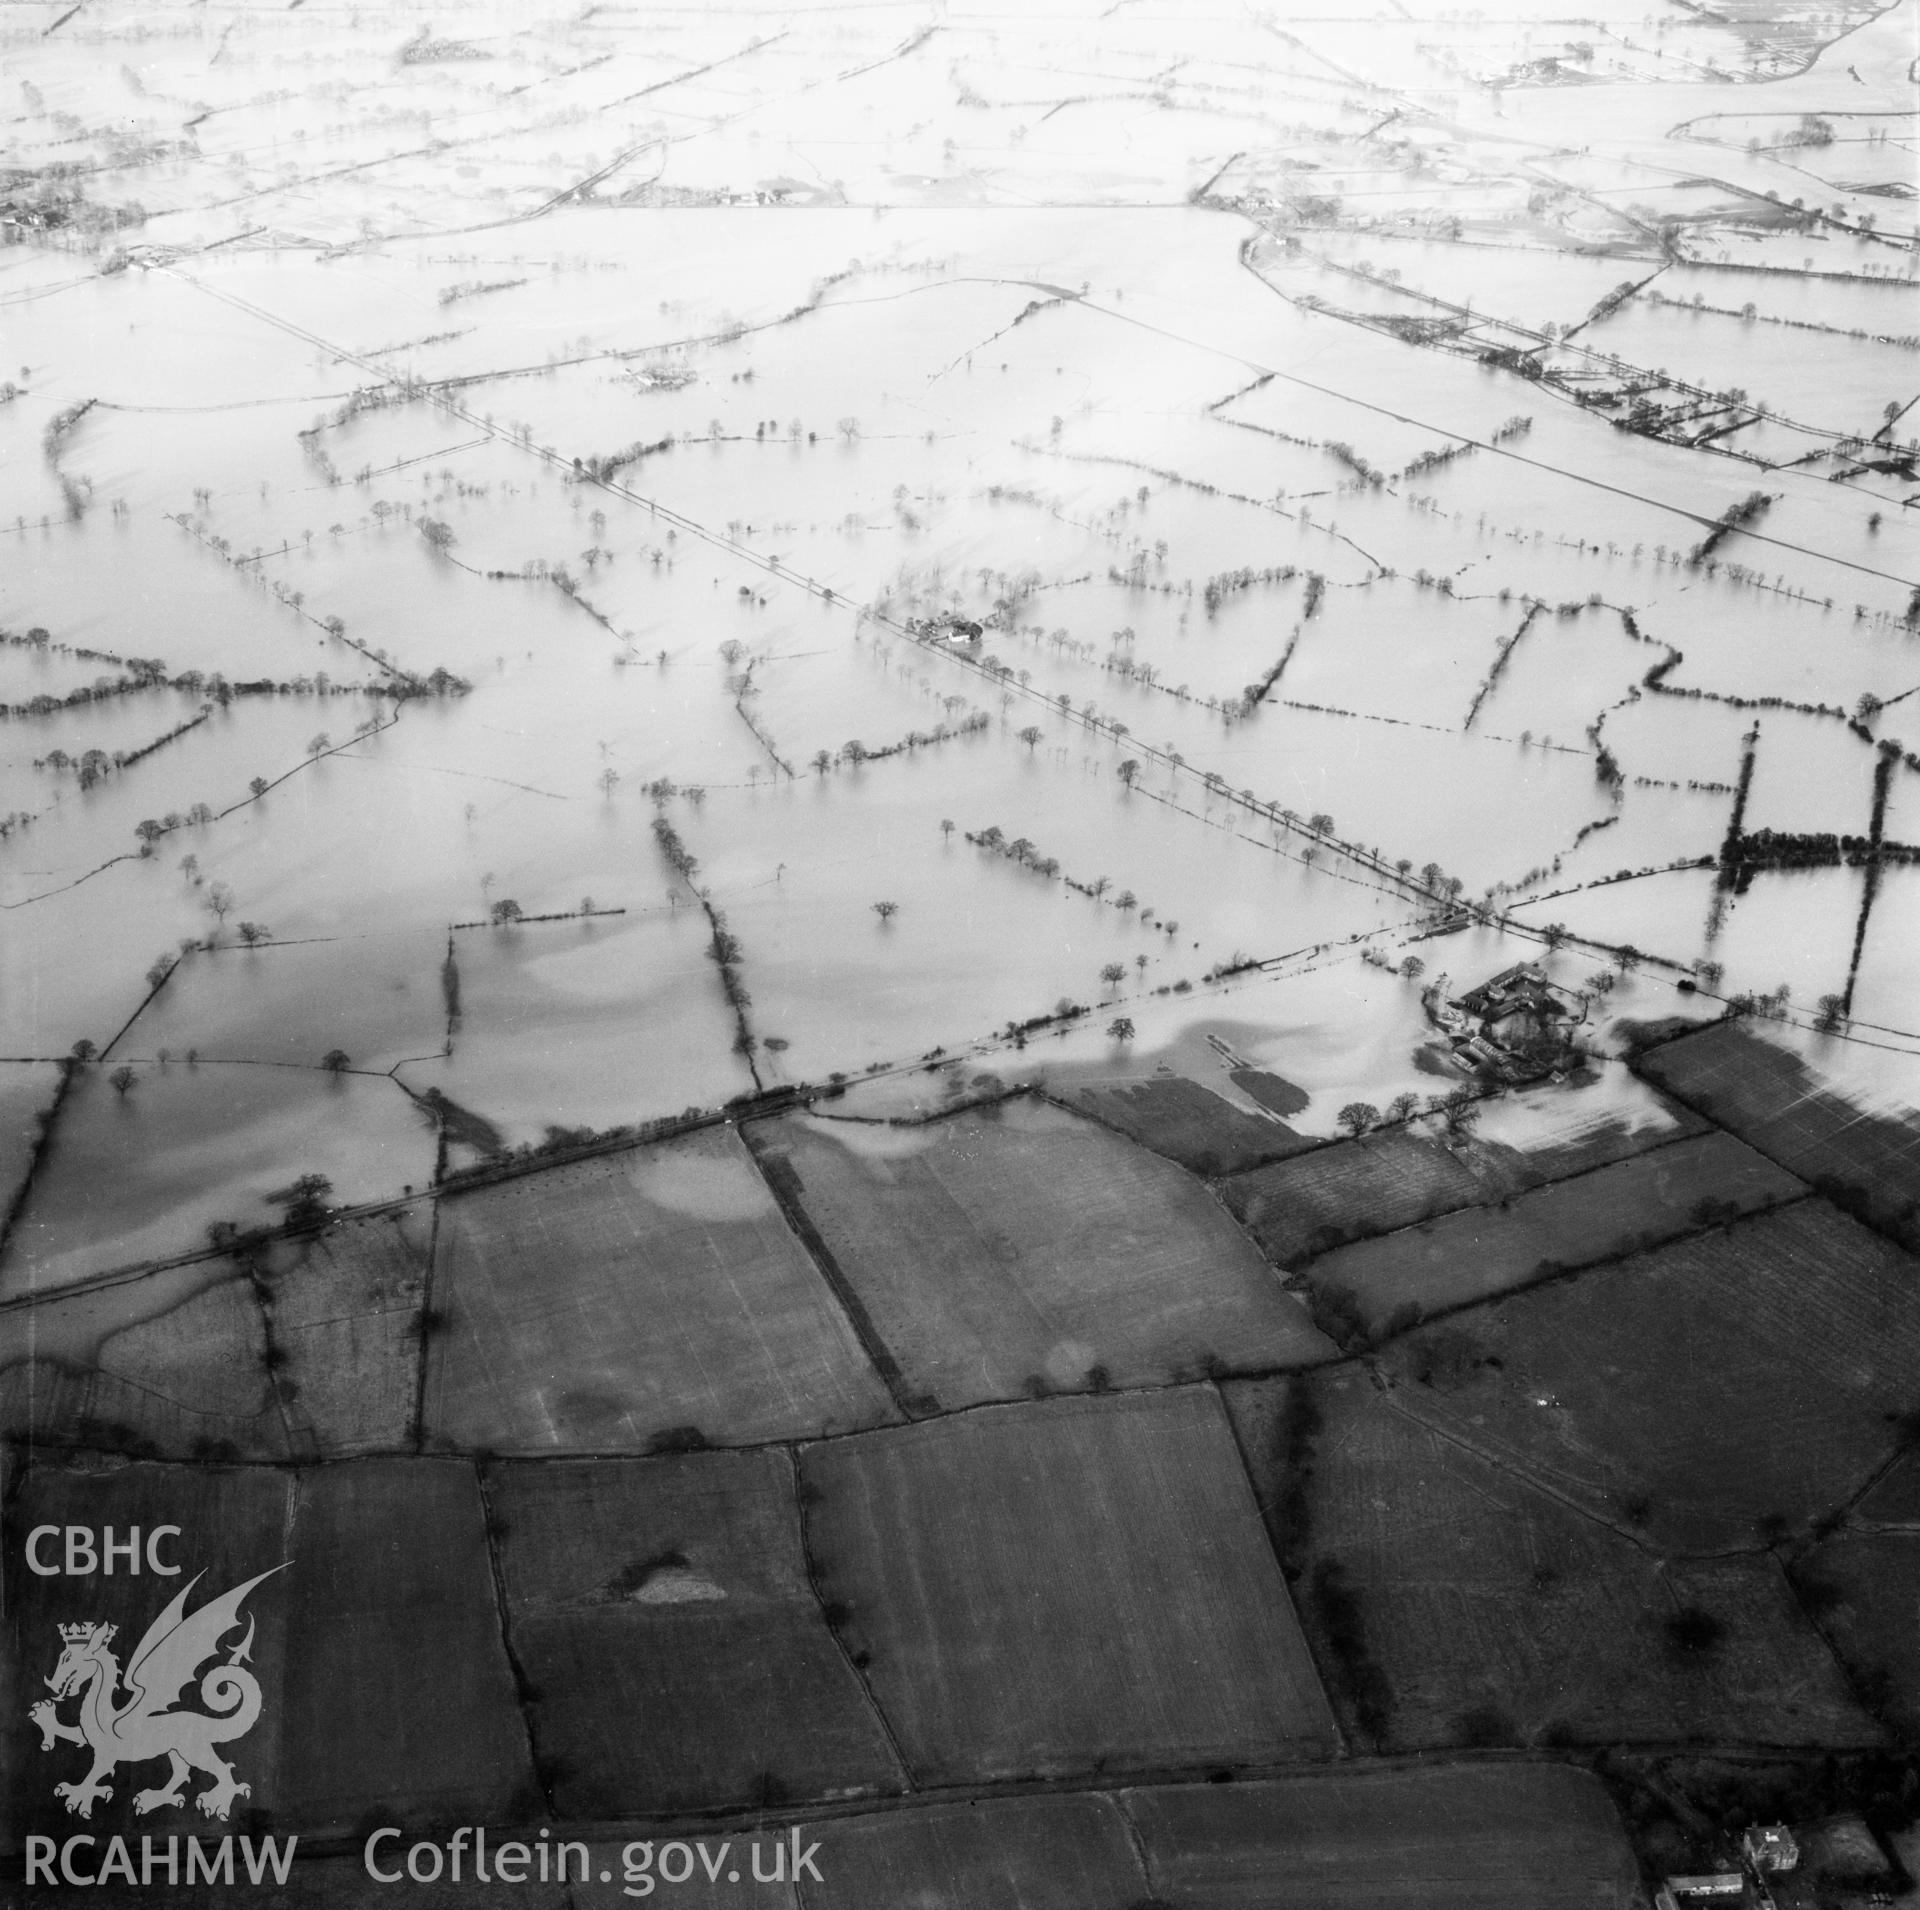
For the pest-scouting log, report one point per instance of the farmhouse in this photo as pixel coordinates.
(1514, 1027)
(1769, 1848)
(946, 629)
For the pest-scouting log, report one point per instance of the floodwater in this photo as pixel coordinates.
(1072, 410)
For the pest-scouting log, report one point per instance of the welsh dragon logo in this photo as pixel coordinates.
(145, 1725)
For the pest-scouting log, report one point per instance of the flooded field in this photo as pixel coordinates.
(1298, 625)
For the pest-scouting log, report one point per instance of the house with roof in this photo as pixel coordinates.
(1514, 1027)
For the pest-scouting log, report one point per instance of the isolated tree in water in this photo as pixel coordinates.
(1120, 1028)
(886, 910)
(336, 1061)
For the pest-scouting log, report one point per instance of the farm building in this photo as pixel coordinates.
(1515, 1027)
(1682, 1893)
(1769, 1848)
(947, 629)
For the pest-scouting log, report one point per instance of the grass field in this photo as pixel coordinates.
(1389, 1282)
(173, 1365)
(1473, 1836)
(1189, 1124)
(1767, 1096)
(1862, 1592)
(1712, 1392)
(1399, 1176)
(677, 1653)
(344, 1310)
(1896, 1499)
(1025, 1250)
(397, 1685)
(1299, 1208)
(1451, 1601)
(1017, 1853)
(1050, 1588)
(652, 1296)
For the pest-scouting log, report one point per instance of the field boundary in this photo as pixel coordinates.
(783, 1184)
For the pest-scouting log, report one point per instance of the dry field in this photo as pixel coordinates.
(1476, 1836)
(344, 1308)
(1712, 1393)
(1397, 1178)
(678, 1657)
(1018, 1853)
(1187, 1123)
(652, 1297)
(1028, 1251)
(1863, 1592)
(1895, 1500)
(398, 1690)
(1071, 1586)
(378, 1649)
(1393, 1281)
(1767, 1097)
(1452, 1601)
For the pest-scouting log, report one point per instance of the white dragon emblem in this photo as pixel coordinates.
(146, 1726)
